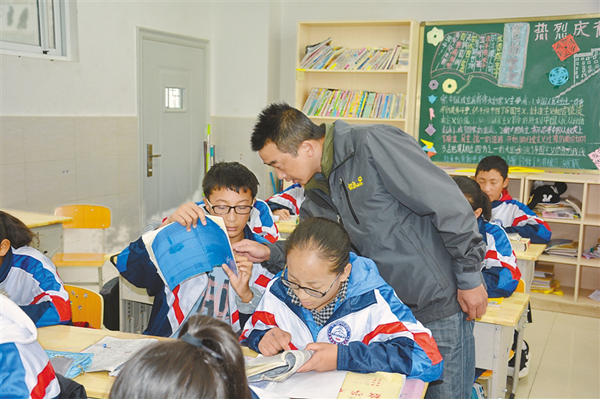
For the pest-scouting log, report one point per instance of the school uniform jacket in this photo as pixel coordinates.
(30, 280)
(291, 199)
(500, 269)
(261, 221)
(25, 371)
(516, 217)
(373, 329)
(172, 307)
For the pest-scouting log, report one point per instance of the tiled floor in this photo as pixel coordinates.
(564, 357)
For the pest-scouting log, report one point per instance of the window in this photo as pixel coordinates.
(33, 26)
(174, 98)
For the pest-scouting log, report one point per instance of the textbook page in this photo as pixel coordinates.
(110, 353)
(180, 254)
(372, 385)
(278, 367)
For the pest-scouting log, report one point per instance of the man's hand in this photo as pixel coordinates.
(187, 215)
(473, 302)
(324, 358)
(283, 214)
(274, 341)
(240, 283)
(254, 251)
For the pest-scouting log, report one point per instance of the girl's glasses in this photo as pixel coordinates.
(309, 291)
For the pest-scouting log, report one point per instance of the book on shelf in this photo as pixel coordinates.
(593, 252)
(562, 247)
(369, 105)
(313, 52)
(519, 243)
(566, 208)
(276, 368)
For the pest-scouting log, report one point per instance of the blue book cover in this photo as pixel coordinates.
(181, 254)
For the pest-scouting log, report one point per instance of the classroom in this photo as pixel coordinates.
(82, 123)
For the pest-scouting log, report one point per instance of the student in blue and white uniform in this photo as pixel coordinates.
(500, 270)
(230, 190)
(28, 277)
(333, 302)
(287, 202)
(25, 370)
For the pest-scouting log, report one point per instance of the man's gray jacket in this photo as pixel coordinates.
(403, 212)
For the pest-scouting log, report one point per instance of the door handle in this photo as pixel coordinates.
(151, 156)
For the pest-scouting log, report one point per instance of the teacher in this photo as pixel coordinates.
(400, 210)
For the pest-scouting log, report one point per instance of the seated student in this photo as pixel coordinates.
(28, 277)
(287, 202)
(333, 302)
(514, 216)
(206, 362)
(229, 189)
(25, 370)
(500, 270)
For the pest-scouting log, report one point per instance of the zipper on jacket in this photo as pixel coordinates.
(348, 200)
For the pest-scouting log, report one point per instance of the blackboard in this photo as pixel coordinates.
(527, 90)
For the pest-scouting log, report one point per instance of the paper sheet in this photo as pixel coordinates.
(376, 385)
(110, 353)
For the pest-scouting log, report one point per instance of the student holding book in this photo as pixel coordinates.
(334, 303)
(400, 210)
(230, 190)
(28, 277)
(205, 362)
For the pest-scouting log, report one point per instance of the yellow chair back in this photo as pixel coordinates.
(86, 305)
(85, 216)
(520, 286)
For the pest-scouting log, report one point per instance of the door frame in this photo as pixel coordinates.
(169, 38)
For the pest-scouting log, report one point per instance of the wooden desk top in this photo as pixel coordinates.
(34, 219)
(532, 253)
(286, 226)
(76, 339)
(508, 313)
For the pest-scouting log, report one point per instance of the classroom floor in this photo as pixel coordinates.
(564, 357)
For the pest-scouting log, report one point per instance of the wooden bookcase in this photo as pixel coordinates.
(358, 34)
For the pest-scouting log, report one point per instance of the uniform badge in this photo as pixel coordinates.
(339, 333)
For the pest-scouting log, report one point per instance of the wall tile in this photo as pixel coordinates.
(127, 126)
(97, 176)
(49, 139)
(50, 183)
(13, 186)
(13, 146)
(96, 137)
(129, 173)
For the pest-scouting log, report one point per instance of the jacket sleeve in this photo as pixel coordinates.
(261, 321)
(527, 224)
(135, 266)
(400, 344)
(276, 262)
(261, 221)
(499, 252)
(418, 184)
(290, 199)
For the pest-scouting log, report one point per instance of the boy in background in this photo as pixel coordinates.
(512, 215)
(287, 202)
(229, 192)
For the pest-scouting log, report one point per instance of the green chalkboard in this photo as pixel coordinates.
(527, 90)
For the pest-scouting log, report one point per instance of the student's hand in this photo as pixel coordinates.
(324, 358)
(240, 283)
(473, 302)
(254, 251)
(187, 215)
(283, 214)
(274, 341)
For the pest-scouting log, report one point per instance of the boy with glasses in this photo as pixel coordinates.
(230, 193)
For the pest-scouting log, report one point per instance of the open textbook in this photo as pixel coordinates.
(111, 353)
(180, 254)
(276, 368)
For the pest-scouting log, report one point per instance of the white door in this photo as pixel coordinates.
(173, 107)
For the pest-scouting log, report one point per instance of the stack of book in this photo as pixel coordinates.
(593, 252)
(324, 56)
(569, 208)
(543, 279)
(562, 247)
(354, 104)
(519, 243)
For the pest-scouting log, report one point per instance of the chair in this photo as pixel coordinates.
(84, 217)
(86, 305)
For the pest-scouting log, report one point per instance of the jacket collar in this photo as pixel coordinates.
(481, 226)
(505, 195)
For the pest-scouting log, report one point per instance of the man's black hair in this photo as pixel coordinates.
(493, 162)
(285, 126)
(230, 175)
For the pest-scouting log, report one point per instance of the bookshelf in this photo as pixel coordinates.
(360, 34)
(578, 276)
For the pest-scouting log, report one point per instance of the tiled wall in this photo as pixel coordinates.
(50, 161)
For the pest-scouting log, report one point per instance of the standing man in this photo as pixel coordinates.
(400, 210)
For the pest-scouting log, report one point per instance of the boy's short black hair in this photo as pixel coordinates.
(230, 175)
(493, 162)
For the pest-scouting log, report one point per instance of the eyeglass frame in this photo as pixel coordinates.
(287, 283)
(230, 208)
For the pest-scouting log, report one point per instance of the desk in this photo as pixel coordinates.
(47, 228)
(494, 338)
(526, 263)
(76, 339)
(286, 227)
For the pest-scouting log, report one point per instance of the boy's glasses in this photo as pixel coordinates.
(309, 291)
(225, 209)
